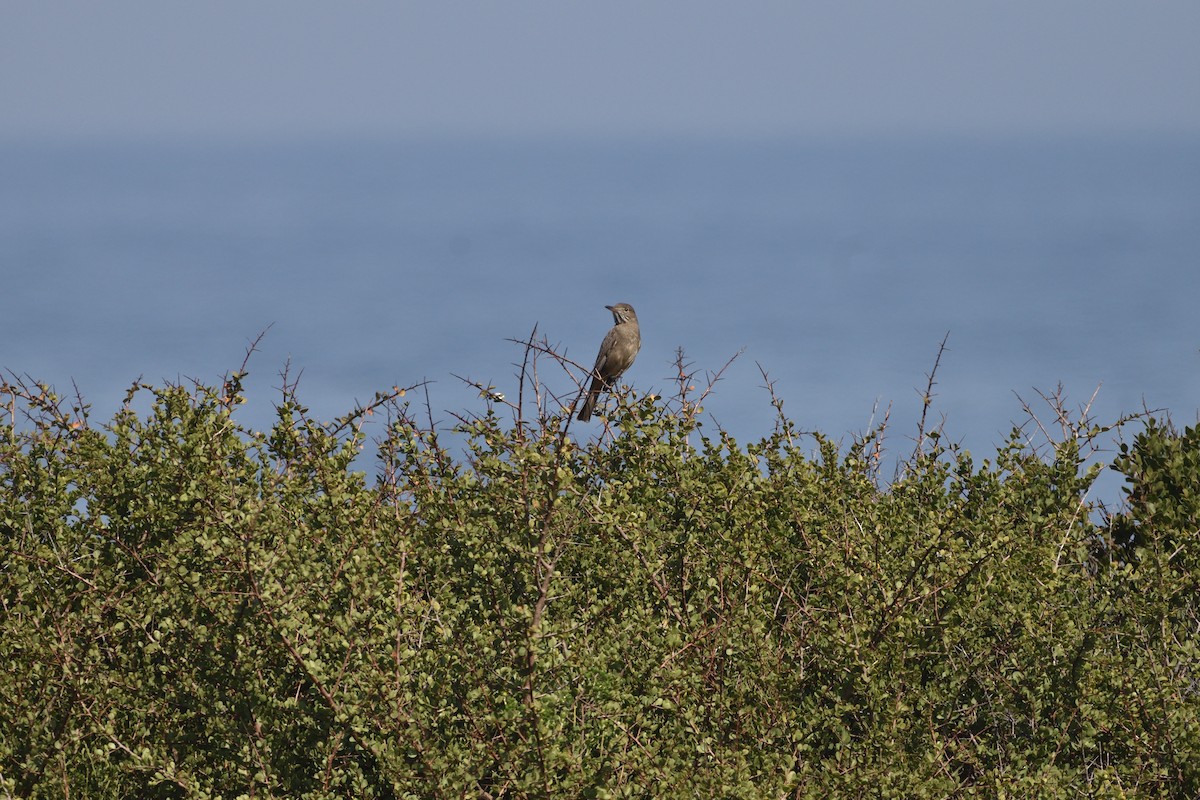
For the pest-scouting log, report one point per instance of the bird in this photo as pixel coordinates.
(617, 352)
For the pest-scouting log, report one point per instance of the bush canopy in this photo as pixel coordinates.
(192, 608)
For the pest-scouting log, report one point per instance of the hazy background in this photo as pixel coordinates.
(298, 69)
(399, 187)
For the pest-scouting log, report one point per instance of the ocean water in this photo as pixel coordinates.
(837, 268)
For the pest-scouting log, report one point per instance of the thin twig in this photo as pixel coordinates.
(927, 398)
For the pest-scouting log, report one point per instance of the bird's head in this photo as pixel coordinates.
(622, 312)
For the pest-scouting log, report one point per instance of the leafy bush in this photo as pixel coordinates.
(195, 609)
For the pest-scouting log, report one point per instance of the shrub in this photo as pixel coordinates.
(195, 609)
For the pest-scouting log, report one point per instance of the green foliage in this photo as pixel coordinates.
(194, 609)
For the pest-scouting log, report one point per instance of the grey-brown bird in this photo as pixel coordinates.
(617, 352)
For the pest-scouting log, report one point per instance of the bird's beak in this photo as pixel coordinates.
(610, 308)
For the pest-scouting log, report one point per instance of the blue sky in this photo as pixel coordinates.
(627, 68)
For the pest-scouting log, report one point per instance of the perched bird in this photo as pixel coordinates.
(617, 352)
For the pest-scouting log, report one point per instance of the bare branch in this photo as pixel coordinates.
(927, 398)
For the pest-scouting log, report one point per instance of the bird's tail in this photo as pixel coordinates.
(589, 403)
